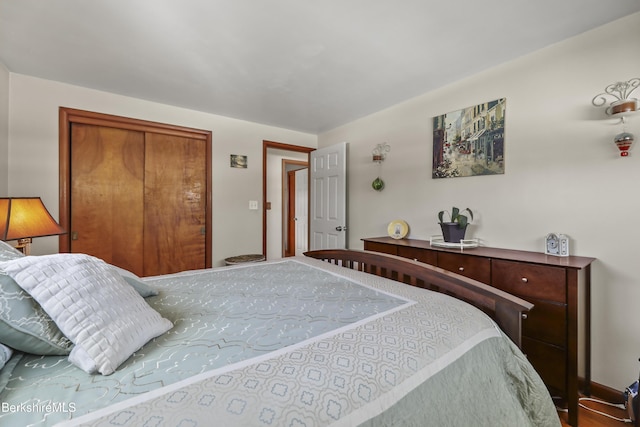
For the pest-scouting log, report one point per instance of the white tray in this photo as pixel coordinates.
(464, 244)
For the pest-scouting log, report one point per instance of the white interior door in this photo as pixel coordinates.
(302, 210)
(328, 216)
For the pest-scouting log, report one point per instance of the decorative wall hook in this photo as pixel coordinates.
(622, 105)
(380, 152)
(620, 92)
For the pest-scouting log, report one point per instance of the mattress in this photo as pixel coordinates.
(293, 342)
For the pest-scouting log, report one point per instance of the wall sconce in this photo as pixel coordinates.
(621, 106)
(379, 154)
(22, 218)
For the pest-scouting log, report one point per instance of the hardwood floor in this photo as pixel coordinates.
(588, 418)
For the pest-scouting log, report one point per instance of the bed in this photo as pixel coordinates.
(300, 341)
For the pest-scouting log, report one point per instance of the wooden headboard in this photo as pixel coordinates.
(507, 310)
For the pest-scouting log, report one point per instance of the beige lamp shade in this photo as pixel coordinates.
(23, 217)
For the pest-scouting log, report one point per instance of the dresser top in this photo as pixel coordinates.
(488, 252)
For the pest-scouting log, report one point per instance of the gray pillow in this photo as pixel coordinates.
(92, 304)
(5, 355)
(25, 326)
(136, 282)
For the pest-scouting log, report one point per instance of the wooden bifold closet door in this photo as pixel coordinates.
(174, 204)
(139, 193)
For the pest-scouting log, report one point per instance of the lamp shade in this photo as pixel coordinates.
(22, 217)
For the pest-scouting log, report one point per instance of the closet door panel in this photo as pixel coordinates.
(175, 203)
(107, 166)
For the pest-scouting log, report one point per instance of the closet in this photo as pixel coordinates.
(135, 193)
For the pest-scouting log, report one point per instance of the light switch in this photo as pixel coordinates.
(253, 205)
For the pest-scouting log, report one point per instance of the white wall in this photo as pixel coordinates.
(4, 130)
(33, 154)
(563, 174)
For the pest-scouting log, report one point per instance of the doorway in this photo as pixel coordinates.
(295, 207)
(268, 230)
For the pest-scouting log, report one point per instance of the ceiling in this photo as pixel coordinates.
(299, 64)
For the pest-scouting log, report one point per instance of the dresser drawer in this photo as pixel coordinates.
(549, 362)
(530, 280)
(547, 322)
(418, 254)
(381, 247)
(477, 268)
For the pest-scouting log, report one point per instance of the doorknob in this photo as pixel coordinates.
(340, 228)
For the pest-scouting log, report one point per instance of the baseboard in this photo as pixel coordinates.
(603, 392)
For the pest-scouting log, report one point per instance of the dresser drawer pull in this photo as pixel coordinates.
(524, 316)
(460, 268)
(525, 280)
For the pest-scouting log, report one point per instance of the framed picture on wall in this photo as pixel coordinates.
(470, 141)
(239, 161)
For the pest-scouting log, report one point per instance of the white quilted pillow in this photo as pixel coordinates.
(93, 306)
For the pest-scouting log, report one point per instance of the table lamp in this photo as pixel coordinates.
(22, 218)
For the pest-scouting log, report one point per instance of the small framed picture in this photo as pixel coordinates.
(238, 161)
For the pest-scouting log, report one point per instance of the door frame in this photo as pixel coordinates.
(68, 116)
(280, 146)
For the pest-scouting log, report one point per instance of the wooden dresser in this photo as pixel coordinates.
(559, 287)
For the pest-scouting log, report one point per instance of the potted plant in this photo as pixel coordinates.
(453, 230)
